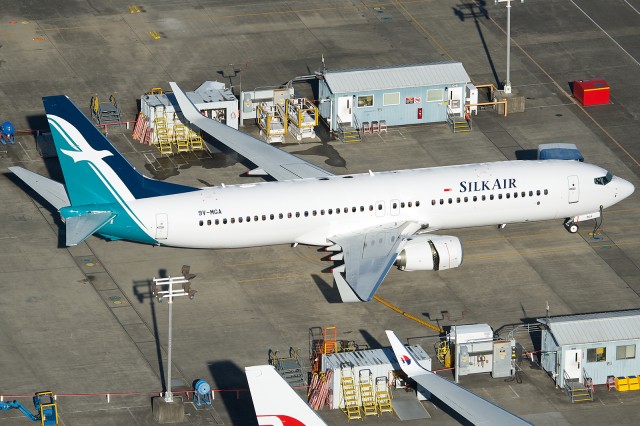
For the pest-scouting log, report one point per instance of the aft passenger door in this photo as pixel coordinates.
(162, 226)
(574, 189)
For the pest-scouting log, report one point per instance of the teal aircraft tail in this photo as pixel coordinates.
(99, 182)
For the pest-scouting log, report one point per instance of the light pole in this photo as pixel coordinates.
(507, 84)
(164, 287)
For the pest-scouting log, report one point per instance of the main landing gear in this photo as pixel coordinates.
(571, 226)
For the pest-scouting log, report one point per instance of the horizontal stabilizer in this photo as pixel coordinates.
(80, 227)
(54, 192)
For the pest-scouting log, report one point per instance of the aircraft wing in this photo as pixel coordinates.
(52, 191)
(270, 160)
(368, 256)
(275, 402)
(472, 407)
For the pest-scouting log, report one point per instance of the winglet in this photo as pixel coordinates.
(408, 364)
(275, 402)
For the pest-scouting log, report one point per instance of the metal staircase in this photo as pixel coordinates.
(350, 398)
(383, 396)
(105, 112)
(348, 132)
(367, 395)
(289, 368)
(576, 390)
(458, 124)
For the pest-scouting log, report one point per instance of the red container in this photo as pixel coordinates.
(593, 92)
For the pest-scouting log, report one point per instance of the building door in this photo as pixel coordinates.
(345, 109)
(455, 100)
(162, 226)
(574, 189)
(573, 363)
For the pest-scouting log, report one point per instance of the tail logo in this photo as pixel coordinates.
(404, 359)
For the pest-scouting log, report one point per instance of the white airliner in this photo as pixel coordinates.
(275, 402)
(372, 220)
(472, 407)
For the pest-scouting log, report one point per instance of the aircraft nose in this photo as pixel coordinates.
(625, 188)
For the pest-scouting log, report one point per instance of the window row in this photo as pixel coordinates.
(322, 212)
(600, 354)
(489, 197)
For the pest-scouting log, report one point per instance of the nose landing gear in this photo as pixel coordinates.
(571, 226)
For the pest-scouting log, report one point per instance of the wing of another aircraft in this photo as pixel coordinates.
(368, 256)
(270, 160)
(472, 407)
(275, 402)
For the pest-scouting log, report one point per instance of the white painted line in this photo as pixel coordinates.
(602, 29)
(514, 391)
(634, 9)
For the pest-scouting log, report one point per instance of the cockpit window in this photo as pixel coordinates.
(604, 179)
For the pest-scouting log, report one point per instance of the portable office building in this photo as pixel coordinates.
(410, 94)
(600, 345)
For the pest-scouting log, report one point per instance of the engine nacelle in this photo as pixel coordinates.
(430, 253)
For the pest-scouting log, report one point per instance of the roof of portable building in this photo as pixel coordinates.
(358, 80)
(594, 328)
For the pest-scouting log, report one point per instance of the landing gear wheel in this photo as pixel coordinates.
(571, 227)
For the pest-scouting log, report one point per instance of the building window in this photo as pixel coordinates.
(391, 99)
(435, 95)
(365, 101)
(597, 354)
(626, 352)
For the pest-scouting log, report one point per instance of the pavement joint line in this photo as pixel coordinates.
(278, 277)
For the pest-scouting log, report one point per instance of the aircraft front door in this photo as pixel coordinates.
(162, 226)
(574, 189)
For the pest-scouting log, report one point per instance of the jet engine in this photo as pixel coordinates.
(430, 253)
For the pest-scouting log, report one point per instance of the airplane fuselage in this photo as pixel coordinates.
(309, 211)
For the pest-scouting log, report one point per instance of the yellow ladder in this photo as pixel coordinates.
(383, 397)
(180, 137)
(195, 141)
(163, 141)
(367, 396)
(350, 397)
(330, 335)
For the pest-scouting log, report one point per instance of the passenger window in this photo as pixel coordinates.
(208, 222)
(499, 196)
(353, 209)
(315, 212)
(224, 221)
(379, 206)
(402, 205)
(433, 202)
(322, 212)
(484, 198)
(271, 216)
(410, 204)
(330, 211)
(417, 203)
(466, 199)
(264, 217)
(280, 215)
(491, 197)
(538, 192)
(475, 198)
(361, 208)
(306, 214)
(515, 195)
(346, 209)
(395, 205)
(248, 218)
(546, 192)
(524, 194)
(338, 211)
(450, 200)
(239, 220)
(217, 221)
(458, 200)
(530, 193)
(233, 220)
(370, 208)
(201, 223)
(508, 195)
